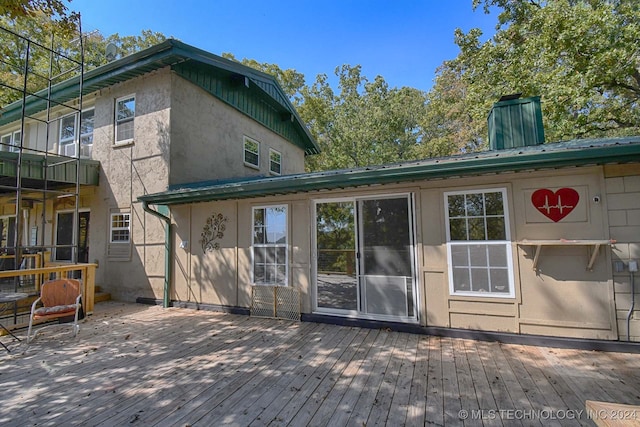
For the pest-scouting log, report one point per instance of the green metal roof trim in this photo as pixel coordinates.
(557, 155)
(170, 53)
(59, 170)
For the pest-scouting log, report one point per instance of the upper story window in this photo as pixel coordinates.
(251, 152)
(11, 141)
(70, 137)
(478, 243)
(275, 162)
(125, 114)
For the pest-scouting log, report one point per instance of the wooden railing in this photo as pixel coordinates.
(86, 273)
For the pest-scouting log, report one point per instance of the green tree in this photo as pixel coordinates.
(45, 33)
(580, 56)
(364, 123)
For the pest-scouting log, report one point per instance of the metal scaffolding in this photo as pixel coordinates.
(27, 81)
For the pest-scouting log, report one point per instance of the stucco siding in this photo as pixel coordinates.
(208, 139)
(129, 171)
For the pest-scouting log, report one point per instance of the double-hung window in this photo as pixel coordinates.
(478, 243)
(69, 137)
(119, 246)
(125, 115)
(11, 141)
(275, 162)
(251, 152)
(270, 245)
(120, 227)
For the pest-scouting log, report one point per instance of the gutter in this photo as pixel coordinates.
(168, 250)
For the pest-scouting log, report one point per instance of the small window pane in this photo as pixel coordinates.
(475, 205)
(125, 131)
(499, 280)
(478, 255)
(480, 280)
(461, 280)
(126, 109)
(497, 256)
(459, 255)
(476, 229)
(258, 273)
(494, 205)
(456, 206)
(458, 229)
(496, 229)
(260, 256)
(67, 129)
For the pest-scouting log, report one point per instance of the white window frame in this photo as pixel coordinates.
(256, 165)
(257, 246)
(10, 144)
(506, 243)
(77, 137)
(272, 162)
(123, 121)
(127, 228)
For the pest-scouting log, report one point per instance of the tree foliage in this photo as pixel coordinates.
(580, 56)
(364, 123)
(45, 35)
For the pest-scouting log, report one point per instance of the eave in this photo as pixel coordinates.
(549, 156)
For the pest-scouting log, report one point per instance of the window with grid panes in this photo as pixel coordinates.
(251, 153)
(478, 244)
(270, 245)
(124, 121)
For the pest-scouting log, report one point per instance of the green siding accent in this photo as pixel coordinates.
(257, 101)
(33, 167)
(515, 123)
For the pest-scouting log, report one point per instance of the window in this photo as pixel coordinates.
(120, 227)
(11, 141)
(270, 245)
(125, 113)
(479, 250)
(275, 162)
(251, 152)
(69, 135)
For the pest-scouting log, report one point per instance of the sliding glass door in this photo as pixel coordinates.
(365, 258)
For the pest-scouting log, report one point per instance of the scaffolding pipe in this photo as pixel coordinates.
(168, 250)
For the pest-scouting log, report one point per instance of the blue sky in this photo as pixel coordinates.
(404, 41)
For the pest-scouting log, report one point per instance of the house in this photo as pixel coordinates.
(167, 115)
(526, 238)
(195, 190)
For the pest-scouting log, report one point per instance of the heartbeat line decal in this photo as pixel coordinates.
(555, 205)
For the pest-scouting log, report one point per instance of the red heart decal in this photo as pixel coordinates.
(555, 206)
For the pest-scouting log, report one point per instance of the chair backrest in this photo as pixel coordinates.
(60, 292)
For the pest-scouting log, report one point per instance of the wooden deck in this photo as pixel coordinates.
(145, 366)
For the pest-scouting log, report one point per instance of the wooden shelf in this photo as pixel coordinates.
(566, 242)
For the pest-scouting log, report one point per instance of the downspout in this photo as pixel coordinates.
(168, 250)
(633, 268)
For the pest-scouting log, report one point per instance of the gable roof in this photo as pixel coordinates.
(546, 156)
(232, 82)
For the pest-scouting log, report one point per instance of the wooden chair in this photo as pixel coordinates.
(59, 298)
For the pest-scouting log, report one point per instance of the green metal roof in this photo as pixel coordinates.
(547, 156)
(184, 58)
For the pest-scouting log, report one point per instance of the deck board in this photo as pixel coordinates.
(140, 365)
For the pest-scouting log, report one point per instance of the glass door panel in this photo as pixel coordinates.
(336, 283)
(386, 256)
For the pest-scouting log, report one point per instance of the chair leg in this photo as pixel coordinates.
(29, 337)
